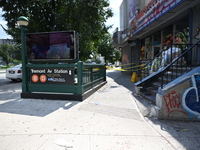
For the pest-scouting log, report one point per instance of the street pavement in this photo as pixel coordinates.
(113, 118)
(2, 70)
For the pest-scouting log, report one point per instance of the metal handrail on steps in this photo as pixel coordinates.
(174, 62)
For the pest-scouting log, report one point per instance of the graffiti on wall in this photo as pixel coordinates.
(173, 102)
(191, 99)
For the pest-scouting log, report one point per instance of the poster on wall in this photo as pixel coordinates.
(52, 76)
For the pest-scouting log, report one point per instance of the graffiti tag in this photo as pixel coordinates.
(191, 98)
(173, 102)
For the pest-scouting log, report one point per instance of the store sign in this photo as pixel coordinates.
(124, 34)
(154, 10)
(52, 76)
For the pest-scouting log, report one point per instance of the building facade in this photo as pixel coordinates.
(7, 41)
(148, 26)
(164, 32)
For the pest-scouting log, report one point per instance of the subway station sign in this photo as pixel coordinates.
(52, 76)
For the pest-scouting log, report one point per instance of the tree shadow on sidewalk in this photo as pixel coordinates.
(35, 107)
(187, 134)
(124, 79)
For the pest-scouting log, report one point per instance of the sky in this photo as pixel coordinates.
(114, 5)
(3, 34)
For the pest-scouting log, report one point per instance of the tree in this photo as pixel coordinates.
(117, 55)
(87, 17)
(6, 52)
(106, 48)
(17, 52)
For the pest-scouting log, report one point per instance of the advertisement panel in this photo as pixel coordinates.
(154, 10)
(52, 76)
(51, 46)
(132, 9)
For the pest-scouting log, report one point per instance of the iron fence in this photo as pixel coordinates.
(172, 62)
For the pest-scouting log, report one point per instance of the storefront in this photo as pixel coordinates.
(177, 26)
(177, 33)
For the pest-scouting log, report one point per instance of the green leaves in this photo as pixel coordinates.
(106, 49)
(86, 17)
(6, 52)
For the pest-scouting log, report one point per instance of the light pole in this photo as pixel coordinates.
(23, 22)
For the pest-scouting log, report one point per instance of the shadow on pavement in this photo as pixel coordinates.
(35, 107)
(187, 134)
(121, 79)
(11, 102)
(124, 79)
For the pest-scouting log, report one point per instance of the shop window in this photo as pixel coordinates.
(157, 39)
(143, 53)
(142, 50)
(156, 43)
(182, 32)
(167, 36)
(148, 47)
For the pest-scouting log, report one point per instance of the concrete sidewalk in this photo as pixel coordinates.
(110, 119)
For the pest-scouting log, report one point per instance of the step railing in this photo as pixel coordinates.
(185, 62)
(172, 62)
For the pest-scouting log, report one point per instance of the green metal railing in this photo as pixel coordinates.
(84, 77)
(92, 75)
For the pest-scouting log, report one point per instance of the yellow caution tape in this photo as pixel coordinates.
(129, 68)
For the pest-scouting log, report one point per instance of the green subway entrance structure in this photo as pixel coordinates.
(51, 68)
